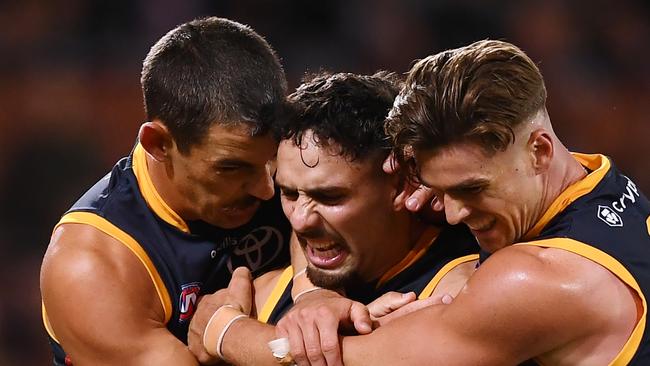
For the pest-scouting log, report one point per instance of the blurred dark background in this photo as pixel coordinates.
(70, 102)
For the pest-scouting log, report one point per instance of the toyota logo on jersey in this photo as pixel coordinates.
(257, 249)
(188, 299)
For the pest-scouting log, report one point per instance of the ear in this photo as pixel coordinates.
(156, 139)
(540, 145)
(390, 164)
(401, 189)
(391, 167)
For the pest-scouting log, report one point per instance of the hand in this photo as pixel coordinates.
(419, 198)
(388, 303)
(238, 294)
(312, 326)
(392, 307)
(240, 290)
(206, 306)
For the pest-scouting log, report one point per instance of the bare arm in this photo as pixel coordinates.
(102, 304)
(237, 292)
(508, 312)
(242, 344)
(245, 344)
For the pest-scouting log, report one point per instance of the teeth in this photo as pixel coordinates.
(322, 249)
(322, 246)
(326, 253)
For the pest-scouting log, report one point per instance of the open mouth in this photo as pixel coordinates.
(325, 256)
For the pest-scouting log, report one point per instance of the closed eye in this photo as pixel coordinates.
(330, 199)
(470, 190)
(227, 168)
(288, 194)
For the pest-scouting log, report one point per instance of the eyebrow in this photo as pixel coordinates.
(229, 161)
(318, 191)
(282, 186)
(468, 183)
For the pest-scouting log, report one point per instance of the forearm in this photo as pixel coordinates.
(366, 350)
(245, 343)
(429, 337)
(147, 349)
(408, 340)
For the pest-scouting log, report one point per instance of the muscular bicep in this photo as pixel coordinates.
(512, 309)
(102, 305)
(425, 337)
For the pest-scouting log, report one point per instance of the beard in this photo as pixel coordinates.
(333, 280)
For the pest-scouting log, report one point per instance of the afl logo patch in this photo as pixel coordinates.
(188, 299)
(609, 216)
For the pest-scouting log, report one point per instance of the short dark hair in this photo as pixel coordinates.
(212, 70)
(479, 92)
(344, 109)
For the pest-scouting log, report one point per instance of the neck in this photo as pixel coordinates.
(403, 237)
(564, 172)
(161, 178)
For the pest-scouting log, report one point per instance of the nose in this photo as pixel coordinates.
(455, 210)
(262, 185)
(302, 216)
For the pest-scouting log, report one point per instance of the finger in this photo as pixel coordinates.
(439, 299)
(421, 196)
(195, 344)
(240, 290)
(329, 340)
(360, 318)
(289, 329)
(281, 331)
(437, 204)
(312, 338)
(389, 302)
(411, 307)
(446, 299)
(205, 308)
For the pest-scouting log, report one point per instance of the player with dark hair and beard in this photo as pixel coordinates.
(349, 218)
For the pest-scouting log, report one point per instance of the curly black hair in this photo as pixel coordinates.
(344, 109)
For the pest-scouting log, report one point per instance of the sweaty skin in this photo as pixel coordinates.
(245, 342)
(128, 325)
(536, 280)
(509, 310)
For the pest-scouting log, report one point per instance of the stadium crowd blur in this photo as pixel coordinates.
(70, 102)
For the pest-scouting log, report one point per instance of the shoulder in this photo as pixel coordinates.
(545, 278)
(82, 265)
(613, 211)
(119, 179)
(97, 295)
(545, 297)
(529, 268)
(87, 252)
